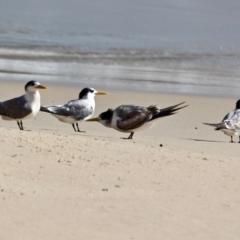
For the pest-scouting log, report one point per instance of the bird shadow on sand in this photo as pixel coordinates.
(82, 134)
(202, 140)
(49, 130)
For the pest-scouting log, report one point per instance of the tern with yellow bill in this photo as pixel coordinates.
(77, 110)
(132, 118)
(23, 107)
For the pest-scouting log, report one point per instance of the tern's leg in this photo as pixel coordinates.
(79, 129)
(130, 136)
(239, 139)
(19, 125)
(231, 140)
(74, 127)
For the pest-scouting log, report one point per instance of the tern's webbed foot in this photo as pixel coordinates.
(78, 130)
(81, 131)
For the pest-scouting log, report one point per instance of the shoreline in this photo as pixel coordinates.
(81, 85)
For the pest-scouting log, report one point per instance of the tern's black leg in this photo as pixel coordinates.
(74, 127)
(130, 136)
(231, 140)
(79, 129)
(19, 123)
(239, 140)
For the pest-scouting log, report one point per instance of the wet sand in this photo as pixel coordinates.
(58, 184)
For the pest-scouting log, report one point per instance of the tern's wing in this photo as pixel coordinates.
(233, 122)
(16, 108)
(75, 109)
(132, 117)
(229, 115)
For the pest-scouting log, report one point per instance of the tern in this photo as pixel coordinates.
(132, 118)
(23, 107)
(75, 110)
(230, 124)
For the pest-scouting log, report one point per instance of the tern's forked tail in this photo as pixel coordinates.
(168, 111)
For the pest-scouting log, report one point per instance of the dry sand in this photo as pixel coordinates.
(58, 184)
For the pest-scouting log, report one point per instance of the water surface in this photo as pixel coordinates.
(163, 46)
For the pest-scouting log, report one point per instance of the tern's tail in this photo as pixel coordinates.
(45, 109)
(168, 111)
(218, 126)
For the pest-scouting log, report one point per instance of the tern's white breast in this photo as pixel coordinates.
(229, 132)
(33, 102)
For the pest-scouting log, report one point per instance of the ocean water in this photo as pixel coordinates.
(188, 46)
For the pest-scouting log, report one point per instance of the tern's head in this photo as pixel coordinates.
(87, 93)
(104, 118)
(238, 104)
(33, 86)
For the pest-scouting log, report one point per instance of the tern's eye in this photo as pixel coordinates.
(91, 90)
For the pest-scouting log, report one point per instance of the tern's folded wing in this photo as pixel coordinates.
(76, 111)
(15, 108)
(132, 117)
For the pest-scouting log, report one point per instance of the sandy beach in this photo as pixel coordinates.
(58, 184)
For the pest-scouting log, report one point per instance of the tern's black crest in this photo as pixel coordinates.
(84, 92)
(31, 83)
(238, 104)
(106, 115)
